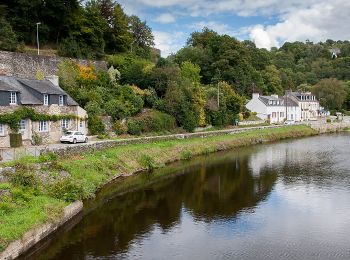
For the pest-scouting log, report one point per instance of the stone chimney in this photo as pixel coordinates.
(53, 79)
(255, 95)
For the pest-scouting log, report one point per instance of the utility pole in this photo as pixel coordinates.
(218, 96)
(37, 36)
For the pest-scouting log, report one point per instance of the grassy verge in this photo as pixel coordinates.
(27, 201)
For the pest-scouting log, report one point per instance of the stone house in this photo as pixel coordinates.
(44, 97)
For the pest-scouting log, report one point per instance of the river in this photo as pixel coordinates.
(285, 200)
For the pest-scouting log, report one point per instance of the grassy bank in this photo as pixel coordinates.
(31, 197)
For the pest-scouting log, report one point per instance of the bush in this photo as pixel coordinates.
(134, 127)
(69, 48)
(147, 162)
(96, 125)
(23, 178)
(37, 139)
(155, 121)
(329, 120)
(15, 140)
(186, 155)
(120, 127)
(66, 189)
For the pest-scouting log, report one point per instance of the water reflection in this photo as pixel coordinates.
(240, 204)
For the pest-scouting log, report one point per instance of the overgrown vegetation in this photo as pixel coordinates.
(13, 119)
(30, 198)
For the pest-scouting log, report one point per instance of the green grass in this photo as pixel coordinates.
(29, 206)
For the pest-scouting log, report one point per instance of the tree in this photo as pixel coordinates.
(141, 33)
(8, 38)
(272, 80)
(331, 93)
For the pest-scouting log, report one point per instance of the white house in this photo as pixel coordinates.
(273, 108)
(308, 105)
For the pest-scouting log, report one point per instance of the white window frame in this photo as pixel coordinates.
(2, 130)
(60, 100)
(13, 98)
(43, 126)
(46, 99)
(65, 123)
(23, 125)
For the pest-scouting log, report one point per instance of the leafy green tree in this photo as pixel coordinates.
(331, 93)
(8, 38)
(141, 33)
(272, 80)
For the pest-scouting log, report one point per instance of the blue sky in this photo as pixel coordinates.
(268, 23)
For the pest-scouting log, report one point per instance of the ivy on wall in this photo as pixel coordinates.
(13, 119)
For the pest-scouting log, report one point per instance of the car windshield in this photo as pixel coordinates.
(68, 133)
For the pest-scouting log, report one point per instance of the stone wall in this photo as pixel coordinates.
(26, 65)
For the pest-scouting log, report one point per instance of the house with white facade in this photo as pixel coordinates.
(309, 106)
(45, 97)
(296, 106)
(273, 109)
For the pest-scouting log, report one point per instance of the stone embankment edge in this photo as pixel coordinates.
(33, 236)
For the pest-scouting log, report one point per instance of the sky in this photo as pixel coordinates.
(269, 23)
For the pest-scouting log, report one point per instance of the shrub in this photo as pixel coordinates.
(186, 155)
(23, 177)
(120, 127)
(96, 125)
(69, 48)
(37, 139)
(155, 121)
(147, 162)
(329, 120)
(66, 189)
(134, 127)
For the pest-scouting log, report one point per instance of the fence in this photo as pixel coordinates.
(9, 154)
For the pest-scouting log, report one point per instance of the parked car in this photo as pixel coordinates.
(289, 122)
(73, 137)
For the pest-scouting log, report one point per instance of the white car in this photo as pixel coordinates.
(74, 137)
(289, 122)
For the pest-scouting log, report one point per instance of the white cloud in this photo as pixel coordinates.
(165, 18)
(317, 23)
(168, 42)
(218, 27)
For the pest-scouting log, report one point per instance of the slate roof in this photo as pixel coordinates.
(27, 86)
(266, 100)
(42, 86)
(7, 87)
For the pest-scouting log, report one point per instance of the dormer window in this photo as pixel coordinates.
(13, 98)
(46, 99)
(61, 100)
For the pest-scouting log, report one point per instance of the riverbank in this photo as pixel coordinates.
(28, 199)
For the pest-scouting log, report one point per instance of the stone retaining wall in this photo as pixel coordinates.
(81, 148)
(35, 235)
(26, 65)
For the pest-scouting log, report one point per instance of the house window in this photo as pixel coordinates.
(273, 114)
(43, 126)
(61, 100)
(46, 99)
(80, 123)
(13, 98)
(291, 116)
(22, 125)
(65, 123)
(2, 130)
(281, 114)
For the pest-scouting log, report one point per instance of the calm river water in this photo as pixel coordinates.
(287, 200)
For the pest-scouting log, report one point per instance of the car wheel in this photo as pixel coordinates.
(74, 141)
(86, 140)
